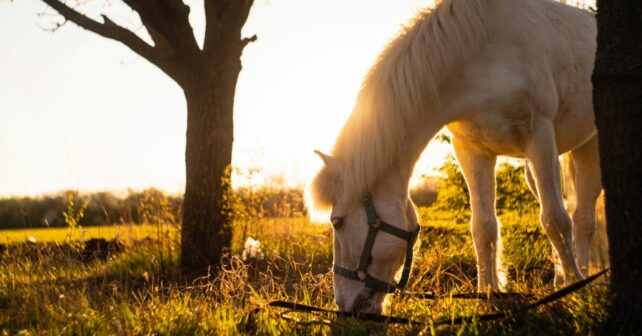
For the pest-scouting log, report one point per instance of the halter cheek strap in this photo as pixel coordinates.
(374, 226)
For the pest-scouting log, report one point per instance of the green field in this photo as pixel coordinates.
(139, 292)
(59, 235)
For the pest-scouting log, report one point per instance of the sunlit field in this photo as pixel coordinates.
(138, 291)
(61, 234)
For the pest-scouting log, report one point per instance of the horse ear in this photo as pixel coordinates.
(331, 162)
(326, 184)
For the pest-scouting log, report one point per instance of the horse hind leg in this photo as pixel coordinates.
(560, 278)
(588, 185)
(479, 171)
(541, 151)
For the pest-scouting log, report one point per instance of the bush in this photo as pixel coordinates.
(512, 192)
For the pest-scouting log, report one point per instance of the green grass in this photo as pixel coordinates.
(138, 291)
(60, 234)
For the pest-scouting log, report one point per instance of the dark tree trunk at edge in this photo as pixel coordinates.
(618, 109)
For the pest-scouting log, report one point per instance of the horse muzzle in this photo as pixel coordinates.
(367, 301)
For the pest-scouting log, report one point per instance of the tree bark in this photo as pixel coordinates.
(207, 222)
(617, 91)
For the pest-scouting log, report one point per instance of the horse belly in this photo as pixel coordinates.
(493, 137)
(498, 135)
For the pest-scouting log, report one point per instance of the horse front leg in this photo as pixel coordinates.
(541, 152)
(479, 171)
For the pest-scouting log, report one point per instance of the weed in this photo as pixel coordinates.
(72, 215)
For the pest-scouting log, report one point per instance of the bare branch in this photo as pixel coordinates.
(55, 27)
(110, 30)
(248, 40)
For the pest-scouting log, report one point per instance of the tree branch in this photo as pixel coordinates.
(110, 30)
(224, 21)
(167, 22)
(248, 40)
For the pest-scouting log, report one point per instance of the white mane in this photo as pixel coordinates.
(400, 88)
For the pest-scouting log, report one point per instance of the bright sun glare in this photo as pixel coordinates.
(312, 85)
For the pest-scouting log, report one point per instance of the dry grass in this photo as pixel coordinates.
(136, 292)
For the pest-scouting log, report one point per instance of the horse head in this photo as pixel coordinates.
(372, 237)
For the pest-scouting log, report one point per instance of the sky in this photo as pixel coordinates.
(78, 111)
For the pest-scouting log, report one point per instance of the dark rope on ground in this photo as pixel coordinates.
(293, 307)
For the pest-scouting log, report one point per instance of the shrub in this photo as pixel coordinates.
(512, 192)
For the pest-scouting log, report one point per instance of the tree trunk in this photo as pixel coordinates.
(207, 230)
(618, 110)
(208, 77)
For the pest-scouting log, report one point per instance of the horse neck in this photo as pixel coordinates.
(396, 179)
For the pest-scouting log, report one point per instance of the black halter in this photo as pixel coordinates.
(360, 274)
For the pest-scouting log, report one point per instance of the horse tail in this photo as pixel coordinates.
(568, 182)
(598, 255)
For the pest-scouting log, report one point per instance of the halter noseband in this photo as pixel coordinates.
(360, 274)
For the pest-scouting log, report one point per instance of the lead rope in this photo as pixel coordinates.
(298, 307)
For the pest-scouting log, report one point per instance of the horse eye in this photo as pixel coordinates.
(336, 222)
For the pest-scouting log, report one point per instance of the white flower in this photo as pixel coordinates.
(252, 249)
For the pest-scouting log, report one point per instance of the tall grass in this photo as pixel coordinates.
(52, 292)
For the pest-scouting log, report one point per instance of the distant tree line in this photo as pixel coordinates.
(106, 208)
(447, 191)
(103, 208)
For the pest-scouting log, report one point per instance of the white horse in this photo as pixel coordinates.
(507, 77)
